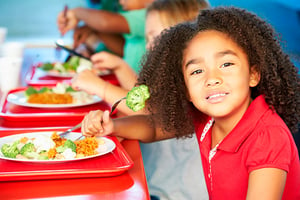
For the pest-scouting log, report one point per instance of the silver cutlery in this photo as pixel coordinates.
(114, 106)
(71, 51)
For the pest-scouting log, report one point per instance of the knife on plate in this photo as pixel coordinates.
(73, 52)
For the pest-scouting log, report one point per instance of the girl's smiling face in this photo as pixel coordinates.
(218, 76)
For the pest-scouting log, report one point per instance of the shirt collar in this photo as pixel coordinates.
(245, 126)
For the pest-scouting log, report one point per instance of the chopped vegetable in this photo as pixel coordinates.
(137, 97)
(70, 89)
(47, 66)
(44, 89)
(74, 61)
(10, 150)
(69, 66)
(29, 151)
(69, 144)
(30, 90)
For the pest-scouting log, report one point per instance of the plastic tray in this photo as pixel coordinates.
(36, 77)
(27, 116)
(111, 164)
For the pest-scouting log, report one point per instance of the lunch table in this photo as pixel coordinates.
(124, 183)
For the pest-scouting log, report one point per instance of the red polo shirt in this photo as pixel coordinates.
(260, 140)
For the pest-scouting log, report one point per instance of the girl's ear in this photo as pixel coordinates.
(254, 76)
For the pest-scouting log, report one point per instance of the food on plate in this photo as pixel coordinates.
(45, 147)
(137, 97)
(50, 98)
(73, 65)
(60, 94)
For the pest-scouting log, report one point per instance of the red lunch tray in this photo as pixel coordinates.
(110, 164)
(22, 116)
(37, 77)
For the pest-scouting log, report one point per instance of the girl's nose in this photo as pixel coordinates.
(213, 79)
(213, 82)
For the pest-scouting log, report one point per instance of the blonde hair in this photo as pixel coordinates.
(173, 12)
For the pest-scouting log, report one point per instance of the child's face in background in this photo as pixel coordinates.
(217, 75)
(134, 4)
(153, 27)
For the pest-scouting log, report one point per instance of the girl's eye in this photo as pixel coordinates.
(198, 71)
(226, 64)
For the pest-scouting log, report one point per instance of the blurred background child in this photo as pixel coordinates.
(109, 25)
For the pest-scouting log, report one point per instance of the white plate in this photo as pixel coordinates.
(20, 99)
(105, 148)
(58, 74)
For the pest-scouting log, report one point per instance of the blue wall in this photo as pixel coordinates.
(283, 15)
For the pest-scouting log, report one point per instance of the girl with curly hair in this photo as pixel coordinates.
(225, 77)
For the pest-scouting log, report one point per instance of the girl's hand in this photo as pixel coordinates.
(68, 22)
(88, 81)
(80, 35)
(105, 60)
(97, 123)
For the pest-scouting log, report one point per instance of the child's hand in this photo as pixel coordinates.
(105, 60)
(81, 35)
(88, 81)
(66, 23)
(97, 123)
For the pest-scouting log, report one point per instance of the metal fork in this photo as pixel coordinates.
(114, 106)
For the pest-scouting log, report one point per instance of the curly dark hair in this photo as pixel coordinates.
(162, 68)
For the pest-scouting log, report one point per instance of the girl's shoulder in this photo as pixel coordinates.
(270, 146)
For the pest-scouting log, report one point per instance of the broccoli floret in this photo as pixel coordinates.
(145, 91)
(44, 89)
(29, 147)
(73, 63)
(30, 90)
(136, 97)
(69, 144)
(28, 150)
(70, 89)
(10, 150)
(47, 66)
(42, 157)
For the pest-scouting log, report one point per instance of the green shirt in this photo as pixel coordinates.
(135, 43)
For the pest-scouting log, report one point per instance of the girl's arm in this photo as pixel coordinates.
(124, 73)
(100, 20)
(93, 84)
(266, 184)
(137, 127)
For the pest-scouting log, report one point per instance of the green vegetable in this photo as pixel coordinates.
(73, 63)
(44, 89)
(145, 91)
(43, 157)
(137, 97)
(47, 66)
(30, 90)
(28, 150)
(70, 89)
(69, 67)
(29, 147)
(68, 144)
(10, 151)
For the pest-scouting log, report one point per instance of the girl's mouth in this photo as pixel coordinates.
(216, 97)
